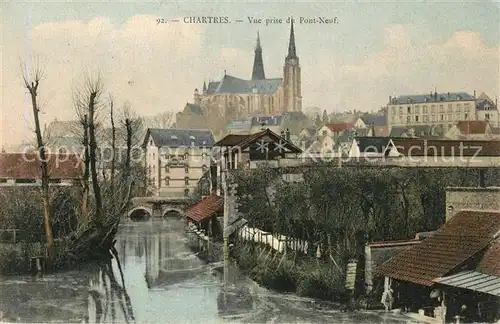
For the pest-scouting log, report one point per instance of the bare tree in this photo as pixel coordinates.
(32, 77)
(87, 104)
(113, 142)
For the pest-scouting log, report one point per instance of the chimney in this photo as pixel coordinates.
(474, 94)
(482, 181)
(287, 134)
(390, 99)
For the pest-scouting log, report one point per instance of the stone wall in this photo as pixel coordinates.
(483, 198)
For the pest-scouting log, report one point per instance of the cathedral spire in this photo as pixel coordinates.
(291, 45)
(258, 64)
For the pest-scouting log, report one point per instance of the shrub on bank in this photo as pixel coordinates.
(288, 273)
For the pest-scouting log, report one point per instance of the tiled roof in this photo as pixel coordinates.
(461, 238)
(177, 137)
(339, 127)
(230, 84)
(469, 127)
(457, 148)
(27, 166)
(205, 208)
(422, 98)
(378, 120)
(490, 262)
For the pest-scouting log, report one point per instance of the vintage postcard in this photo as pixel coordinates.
(250, 162)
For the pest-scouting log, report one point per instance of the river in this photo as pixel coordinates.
(163, 282)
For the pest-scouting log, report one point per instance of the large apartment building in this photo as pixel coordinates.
(444, 109)
(176, 159)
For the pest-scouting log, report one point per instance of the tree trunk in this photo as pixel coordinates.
(86, 173)
(92, 156)
(113, 148)
(33, 87)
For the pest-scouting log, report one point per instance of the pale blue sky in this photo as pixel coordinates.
(377, 49)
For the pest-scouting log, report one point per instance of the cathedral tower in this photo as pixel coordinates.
(258, 64)
(291, 77)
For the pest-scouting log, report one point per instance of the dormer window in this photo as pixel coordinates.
(192, 137)
(173, 137)
(459, 98)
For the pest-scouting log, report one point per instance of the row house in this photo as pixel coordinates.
(425, 152)
(434, 108)
(23, 169)
(176, 159)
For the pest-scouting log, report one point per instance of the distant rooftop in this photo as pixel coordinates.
(431, 97)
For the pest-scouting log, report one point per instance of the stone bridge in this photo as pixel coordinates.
(157, 207)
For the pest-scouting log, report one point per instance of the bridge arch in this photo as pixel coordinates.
(170, 212)
(140, 213)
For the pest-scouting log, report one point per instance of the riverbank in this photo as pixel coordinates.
(289, 272)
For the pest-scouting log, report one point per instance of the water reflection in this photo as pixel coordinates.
(155, 278)
(108, 299)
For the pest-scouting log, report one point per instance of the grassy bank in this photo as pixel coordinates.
(303, 275)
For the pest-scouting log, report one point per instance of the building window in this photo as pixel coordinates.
(324, 133)
(167, 181)
(393, 110)
(151, 142)
(167, 168)
(186, 192)
(186, 169)
(408, 119)
(487, 116)
(409, 109)
(442, 117)
(416, 119)
(154, 157)
(424, 109)
(466, 116)
(450, 108)
(417, 109)
(186, 181)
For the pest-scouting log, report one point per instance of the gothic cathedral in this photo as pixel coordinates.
(233, 98)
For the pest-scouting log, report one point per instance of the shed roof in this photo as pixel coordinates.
(205, 208)
(461, 238)
(457, 148)
(473, 280)
(27, 166)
